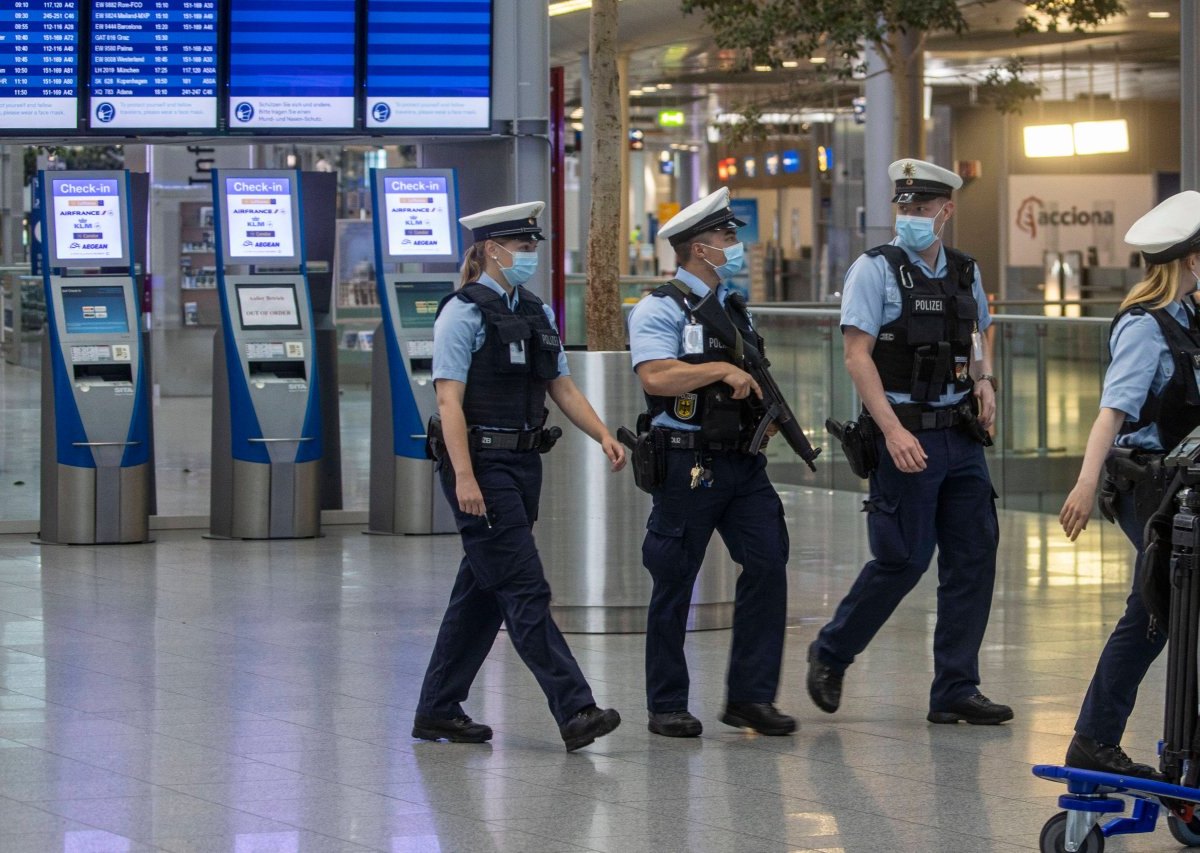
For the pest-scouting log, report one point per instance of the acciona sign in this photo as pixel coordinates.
(1074, 212)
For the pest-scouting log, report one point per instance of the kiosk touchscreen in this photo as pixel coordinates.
(266, 437)
(96, 463)
(416, 222)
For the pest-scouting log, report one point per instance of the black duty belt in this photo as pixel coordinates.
(490, 439)
(914, 416)
(681, 439)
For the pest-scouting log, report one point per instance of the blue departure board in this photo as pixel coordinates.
(39, 59)
(291, 64)
(154, 64)
(429, 64)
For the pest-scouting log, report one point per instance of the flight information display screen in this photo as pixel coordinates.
(429, 64)
(154, 64)
(39, 58)
(291, 64)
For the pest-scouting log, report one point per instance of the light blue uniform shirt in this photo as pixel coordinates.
(656, 331)
(1141, 365)
(871, 300)
(458, 334)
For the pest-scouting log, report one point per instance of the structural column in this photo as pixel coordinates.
(880, 145)
(1189, 96)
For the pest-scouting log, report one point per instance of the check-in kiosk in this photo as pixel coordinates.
(96, 464)
(266, 429)
(416, 227)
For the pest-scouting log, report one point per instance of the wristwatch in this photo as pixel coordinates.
(988, 377)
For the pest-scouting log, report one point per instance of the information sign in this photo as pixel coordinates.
(429, 64)
(39, 56)
(418, 217)
(291, 64)
(268, 306)
(87, 222)
(154, 64)
(259, 218)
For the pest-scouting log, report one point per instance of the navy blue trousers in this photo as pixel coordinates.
(744, 508)
(951, 506)
(1127, 655)
(499, 580)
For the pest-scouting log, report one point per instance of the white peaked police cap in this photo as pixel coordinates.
(1169, 231)
(916, 180)
(707, 214)
(511, 220)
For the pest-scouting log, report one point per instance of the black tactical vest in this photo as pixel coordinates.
(929, 345)
(506, 384)
(1175, 410)
(711, 408)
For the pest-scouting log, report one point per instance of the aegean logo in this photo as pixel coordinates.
(105, 112)
(1032, 214)
(243, 112)
(381, 112)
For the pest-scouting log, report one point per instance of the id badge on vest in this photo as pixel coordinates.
(516, 352)
(693, 339)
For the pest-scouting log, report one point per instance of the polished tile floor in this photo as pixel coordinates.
(198, 695)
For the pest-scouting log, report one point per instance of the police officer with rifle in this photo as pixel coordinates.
(712, 404)
(913, 317)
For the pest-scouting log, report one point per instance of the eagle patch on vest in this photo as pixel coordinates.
(685, 406)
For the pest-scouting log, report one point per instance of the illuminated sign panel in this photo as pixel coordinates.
(39, 58)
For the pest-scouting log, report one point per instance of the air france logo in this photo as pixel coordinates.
(243, 112)
(105, 112)
(381, 112)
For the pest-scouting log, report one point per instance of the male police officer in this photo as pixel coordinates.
(913, 314)
(701, 419)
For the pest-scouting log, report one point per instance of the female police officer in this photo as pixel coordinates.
(1147, 406)
(496, 356)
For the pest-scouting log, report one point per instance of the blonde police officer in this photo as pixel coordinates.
(1150, 402)
(496, 357)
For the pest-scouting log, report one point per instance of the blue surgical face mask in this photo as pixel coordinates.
(524, 265)
(735, 259)
(916, 232)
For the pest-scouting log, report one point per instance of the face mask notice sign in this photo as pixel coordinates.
(259, 220)
(418, 217)
(87, 219)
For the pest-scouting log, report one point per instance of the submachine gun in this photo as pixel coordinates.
(1171, 590)
(772, 408)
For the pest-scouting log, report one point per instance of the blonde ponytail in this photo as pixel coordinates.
(472, 265)
(1157, 289)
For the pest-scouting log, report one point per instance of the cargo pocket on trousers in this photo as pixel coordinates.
(995, 520)
(662, 549)
(884, 531)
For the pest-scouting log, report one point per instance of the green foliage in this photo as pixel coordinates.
(1005, 89)
(768, 32)
(1076, 15)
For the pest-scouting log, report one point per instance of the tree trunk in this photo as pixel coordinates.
(907, 54)
(605, 326)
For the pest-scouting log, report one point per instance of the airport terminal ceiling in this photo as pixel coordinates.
(1132, 56)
